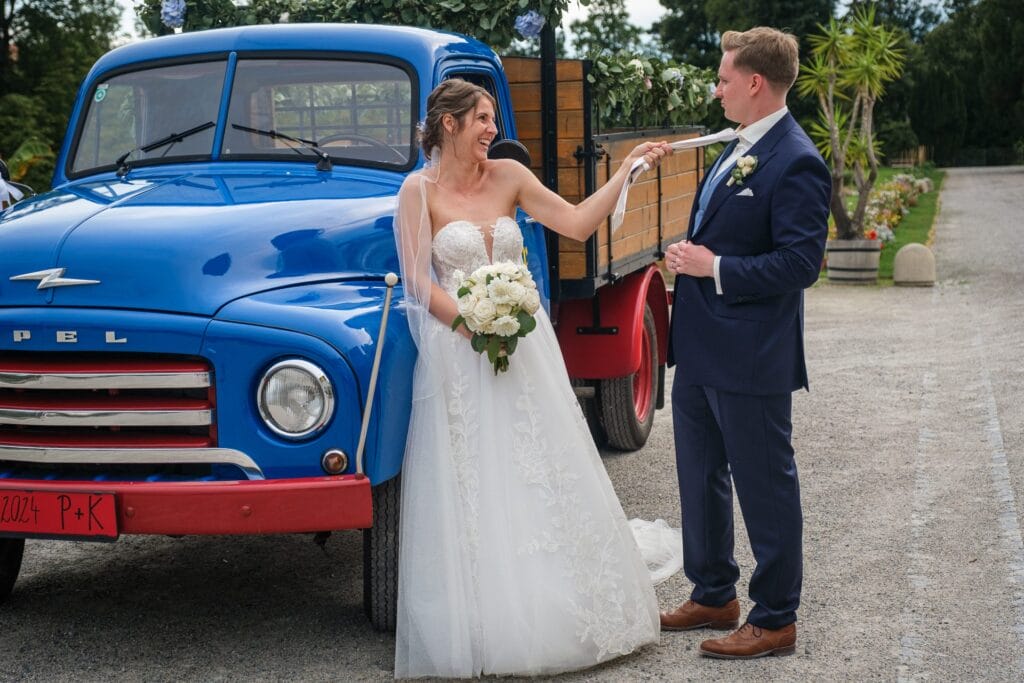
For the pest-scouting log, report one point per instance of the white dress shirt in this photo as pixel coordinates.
(747, 138)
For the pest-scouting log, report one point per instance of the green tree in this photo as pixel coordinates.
(688, 34)
(692, 28)
(56, 43)
(915, 17)
(606, 29)
(968, 103)
(851, 63)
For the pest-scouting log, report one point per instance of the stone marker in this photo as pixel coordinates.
(914, 266)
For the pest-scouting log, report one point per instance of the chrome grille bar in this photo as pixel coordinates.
(133, 456)
(98, 380)
(106, 418)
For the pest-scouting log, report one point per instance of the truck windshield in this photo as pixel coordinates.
(130, 110)
(357, 111)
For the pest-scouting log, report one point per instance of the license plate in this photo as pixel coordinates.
(58, 514)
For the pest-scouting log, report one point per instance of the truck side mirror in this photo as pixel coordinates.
(510, 149)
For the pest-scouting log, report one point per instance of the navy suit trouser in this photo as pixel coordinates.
(718, 433)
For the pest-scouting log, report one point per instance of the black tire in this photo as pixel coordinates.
(380, 556)
(11, 551)
(627, 425)
(592, 412)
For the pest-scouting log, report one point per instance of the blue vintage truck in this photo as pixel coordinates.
(188, 320)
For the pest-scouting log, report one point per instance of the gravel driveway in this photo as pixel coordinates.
(910, 446)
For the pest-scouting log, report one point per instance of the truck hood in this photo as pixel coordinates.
(190, 243)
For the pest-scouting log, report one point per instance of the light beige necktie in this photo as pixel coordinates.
(640, 166)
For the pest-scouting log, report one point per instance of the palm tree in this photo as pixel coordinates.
(851, 62)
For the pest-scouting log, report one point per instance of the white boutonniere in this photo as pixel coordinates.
(744, 167)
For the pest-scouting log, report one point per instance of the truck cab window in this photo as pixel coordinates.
(356, 111)
(130, 110)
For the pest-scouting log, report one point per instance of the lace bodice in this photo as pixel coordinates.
(460, 245)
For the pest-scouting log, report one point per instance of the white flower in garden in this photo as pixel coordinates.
(637, 65)
(506, 326)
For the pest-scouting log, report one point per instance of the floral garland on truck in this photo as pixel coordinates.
(645, 92)
(491, 21)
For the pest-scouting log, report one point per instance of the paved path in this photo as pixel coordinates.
(911, 454)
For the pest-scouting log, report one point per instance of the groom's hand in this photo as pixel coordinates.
(686, 258)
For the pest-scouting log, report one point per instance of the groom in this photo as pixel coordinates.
(756, 239)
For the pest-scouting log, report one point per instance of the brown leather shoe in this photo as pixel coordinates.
(752, 641)
(691, 615)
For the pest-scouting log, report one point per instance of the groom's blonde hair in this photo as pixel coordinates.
(767, 51)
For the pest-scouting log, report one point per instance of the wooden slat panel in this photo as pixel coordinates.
(572, 265)
(527, 69)
(570, 245)
(526, 96)
(570, 124)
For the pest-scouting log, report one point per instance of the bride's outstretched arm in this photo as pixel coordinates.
(579, 221)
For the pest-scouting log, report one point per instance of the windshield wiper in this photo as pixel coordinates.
(122, 161)
(323, 161)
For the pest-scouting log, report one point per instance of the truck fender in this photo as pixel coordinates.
(603, 342)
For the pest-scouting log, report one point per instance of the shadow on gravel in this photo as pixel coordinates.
(209, 607)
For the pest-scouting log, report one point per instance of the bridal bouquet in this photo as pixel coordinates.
(496, 303)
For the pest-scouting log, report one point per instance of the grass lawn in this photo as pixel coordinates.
(916, 226)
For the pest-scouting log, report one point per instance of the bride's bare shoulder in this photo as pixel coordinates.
(508, 171)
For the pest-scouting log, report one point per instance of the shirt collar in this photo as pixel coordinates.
(749, 135)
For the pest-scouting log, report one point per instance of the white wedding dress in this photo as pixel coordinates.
(515, 554)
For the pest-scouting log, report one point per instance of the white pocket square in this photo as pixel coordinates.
(747, 192)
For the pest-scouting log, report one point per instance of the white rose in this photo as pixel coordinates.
(479, 291)
(484, 310)
(506, 268)
(517, 291)
(500, 291)
(466, 304)
(503, 309)
(506, 326)
(531, 301)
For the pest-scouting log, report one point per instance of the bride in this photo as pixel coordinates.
(515, 554)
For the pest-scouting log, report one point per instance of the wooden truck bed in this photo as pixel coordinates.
(659, 203)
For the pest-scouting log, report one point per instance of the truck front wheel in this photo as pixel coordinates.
(11, 550)
(628, 403)
(380, 556)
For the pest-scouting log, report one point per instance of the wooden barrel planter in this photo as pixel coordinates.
(853, 262)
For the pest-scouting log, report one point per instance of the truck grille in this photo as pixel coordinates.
(97, 401)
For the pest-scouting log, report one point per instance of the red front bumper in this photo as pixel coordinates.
(229, 507)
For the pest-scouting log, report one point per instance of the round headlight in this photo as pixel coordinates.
(295, 398)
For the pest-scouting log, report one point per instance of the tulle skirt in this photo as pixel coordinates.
(515, 554)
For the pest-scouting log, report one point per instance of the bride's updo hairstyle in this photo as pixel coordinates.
(456, 97)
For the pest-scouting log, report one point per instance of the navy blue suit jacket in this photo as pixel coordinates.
(750, 339)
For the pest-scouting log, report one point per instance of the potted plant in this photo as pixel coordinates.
(851, 61)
